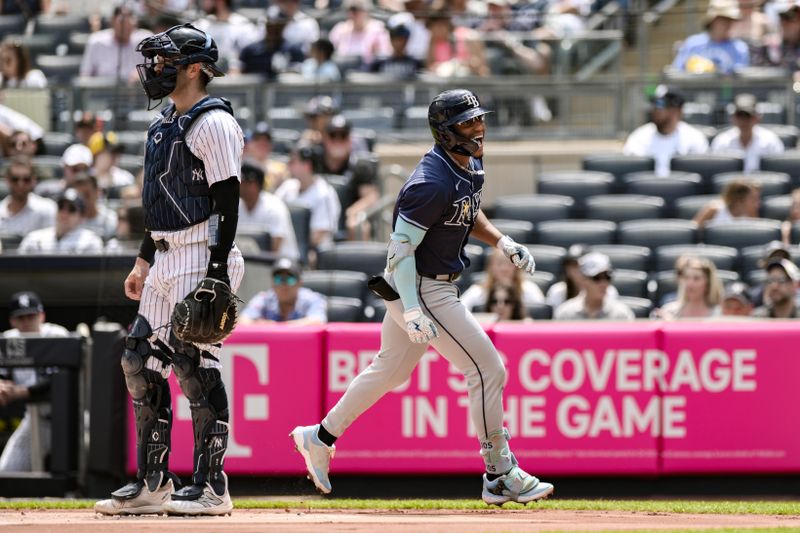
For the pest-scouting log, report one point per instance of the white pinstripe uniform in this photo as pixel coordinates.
(216, 139)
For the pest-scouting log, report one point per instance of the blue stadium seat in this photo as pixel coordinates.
(669, 188)
(723, 257)
(740, 233)
(578, 185)
(618, 164)
(772, 183)
(707, 165)
(534, 208)
(657, 232)
(621, 207)
(568, 232)
(626, 256)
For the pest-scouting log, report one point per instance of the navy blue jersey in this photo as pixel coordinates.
(443, 199)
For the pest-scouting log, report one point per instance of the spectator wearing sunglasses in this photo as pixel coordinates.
(593, 302)
(780, 290)
(23, 211)
(699, 290)
(66, 235)
(746, 139)
(287, 301)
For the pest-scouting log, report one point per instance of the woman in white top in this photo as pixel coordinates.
(15, 67)
(739, 199)
(699, 290)
(500, 271)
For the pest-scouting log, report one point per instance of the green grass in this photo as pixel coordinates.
(316, 503)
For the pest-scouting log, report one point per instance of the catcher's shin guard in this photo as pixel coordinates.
(151, 398)
(209, 405)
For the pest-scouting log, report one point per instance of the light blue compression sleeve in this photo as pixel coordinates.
(405, 273)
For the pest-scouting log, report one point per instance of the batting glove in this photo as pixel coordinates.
(420, 328)
(518, 254)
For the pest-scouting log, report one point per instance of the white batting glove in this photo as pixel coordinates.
(518, 254)
(420, 328)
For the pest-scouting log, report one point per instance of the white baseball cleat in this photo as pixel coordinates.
(515, 486)
(208, 503)
(142, 501)
(316, 454)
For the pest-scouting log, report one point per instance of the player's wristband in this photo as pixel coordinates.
(147, 250)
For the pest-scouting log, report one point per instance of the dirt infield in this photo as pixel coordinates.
(295, 521)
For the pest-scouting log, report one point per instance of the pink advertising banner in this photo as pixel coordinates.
(737, 387)
(273, 377)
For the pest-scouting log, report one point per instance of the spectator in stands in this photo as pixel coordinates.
(302, 29)
(319, 67)
(107, 151)
(414, 17)
(11, 121)
(29, 8)
(593, 302)
(76, 159)
(699, 290)
(500, 272)
(667, 135)
(272, 54)
(753, 27)
(20, 143)
(29, 385)
(66, 235)
(772, 251)
(318, 113)
(780, 291)
(258, 147)
(97, 216)
(261, 211)
(739, 199)
(794, 217)
(714, 50)
(288, 301)
(23, 211)
(505, 301)
(359, 39)
(231, 31)
(306, 189)
(736, 300)
(783, 49)
(571, 278)
(337, 155)
(399, 64)
(454, 51)
(84, 126)
(111, 53)
(564, 19)
(746, 139)
(15, 67)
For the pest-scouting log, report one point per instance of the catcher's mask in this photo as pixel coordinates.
(448, 109)
(179, 45)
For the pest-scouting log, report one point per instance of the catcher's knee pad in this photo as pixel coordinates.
(138, 350)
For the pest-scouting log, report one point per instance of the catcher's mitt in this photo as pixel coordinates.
(207, 315)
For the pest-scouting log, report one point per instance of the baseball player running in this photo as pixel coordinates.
(190, 197)
(436, 210)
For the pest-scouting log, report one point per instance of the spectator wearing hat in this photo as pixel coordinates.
(24, 211)
(262, 211)
(593, 302)
(772, 250)
(500, 272)
(780, 290)
(258, 148)
(287, 301)
(84, 125)
(305, 188)
(66, 235)
(413, 16)
(571, 278)
(398, 64)
(230, 30)
(320, 67)
(782, 49)
(746, 139)
(360, 37)
(96, 216)
(699, 290)
(106, 151)
(736, 300)
(714, 50)
(271, 54)
(111, 53)
(739, 199)
(337, 155)
(666, 135)
(318, 113)
(28, 385)
(301, 29)
(76, 159)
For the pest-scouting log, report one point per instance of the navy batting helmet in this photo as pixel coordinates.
(179, 45)
(448, 109)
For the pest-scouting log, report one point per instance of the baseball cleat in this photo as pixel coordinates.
(138, 500)
(207, 503)
(515, 486)
(316, 454)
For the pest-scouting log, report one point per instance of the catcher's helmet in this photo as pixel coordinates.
(448, 109)
(179, 45)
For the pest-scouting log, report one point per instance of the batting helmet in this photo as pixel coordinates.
(179, 45)
(448, 109)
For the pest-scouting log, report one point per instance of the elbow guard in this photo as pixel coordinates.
(400, 247)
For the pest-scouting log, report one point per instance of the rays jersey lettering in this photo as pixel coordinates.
(466, 210)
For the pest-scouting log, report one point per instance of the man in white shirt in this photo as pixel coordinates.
(111, 53)
(261, 211)
(77, 159)
(230, 30)
(746, 139)
(593, 303)
(306, 189)
(97, 217)
(66, 236)
(22, 211)
(666, 136)
(302, 29)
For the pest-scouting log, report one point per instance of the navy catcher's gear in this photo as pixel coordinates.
(448, 109)
(179, 45)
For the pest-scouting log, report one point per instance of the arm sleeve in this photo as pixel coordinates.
(225, 195)
(147, 250)
(406, 270)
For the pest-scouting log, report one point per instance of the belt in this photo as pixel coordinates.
(442, 277)
(162, 245)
